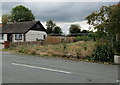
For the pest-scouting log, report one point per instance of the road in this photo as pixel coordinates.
(32, 69)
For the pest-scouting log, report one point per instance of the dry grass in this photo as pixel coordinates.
(80, 49)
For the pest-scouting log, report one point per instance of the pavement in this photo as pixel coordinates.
(33, 69)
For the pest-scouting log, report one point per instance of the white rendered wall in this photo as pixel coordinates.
(33, 35)
(5, 37)
(13, 38)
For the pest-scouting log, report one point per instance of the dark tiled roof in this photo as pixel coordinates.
(21, 27)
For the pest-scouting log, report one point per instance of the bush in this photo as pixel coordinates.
(22, 50)
(83, 38)
(34, 53)
(103, 53)
(117, 47)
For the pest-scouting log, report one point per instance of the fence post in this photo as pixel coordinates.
(6, 44)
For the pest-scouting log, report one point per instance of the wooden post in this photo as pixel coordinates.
(6, 44)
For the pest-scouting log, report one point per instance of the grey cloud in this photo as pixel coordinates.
(7, 6)
(58, 11)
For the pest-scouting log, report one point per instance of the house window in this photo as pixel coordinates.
(18, 36)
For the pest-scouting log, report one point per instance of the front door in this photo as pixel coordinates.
(9, 37)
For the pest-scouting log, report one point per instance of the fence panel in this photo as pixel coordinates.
(47, 41)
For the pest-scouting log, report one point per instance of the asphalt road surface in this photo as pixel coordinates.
(30, 69)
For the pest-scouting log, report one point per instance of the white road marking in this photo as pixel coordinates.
(42, 68)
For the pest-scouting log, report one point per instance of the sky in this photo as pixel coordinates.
(62, 13)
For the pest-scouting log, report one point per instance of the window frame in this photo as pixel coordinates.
(18, 36)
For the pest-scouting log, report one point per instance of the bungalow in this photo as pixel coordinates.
(24, 31)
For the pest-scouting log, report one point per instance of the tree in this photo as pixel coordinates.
(84, 31)
(57, 30)
(50, 26)
(74, 28)
(107, 20)
(6, 18)
(21, 13)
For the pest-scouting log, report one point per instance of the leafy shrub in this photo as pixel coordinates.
(22, 50)
(103, 53)
(34, 53)
(83, 38)
(117, 47)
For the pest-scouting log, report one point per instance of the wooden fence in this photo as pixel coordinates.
(58, 39)
(14, 44)
(47, 41)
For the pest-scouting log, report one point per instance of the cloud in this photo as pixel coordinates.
(58, 11)
(60, 0)
(66, 25)
(63, 13)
